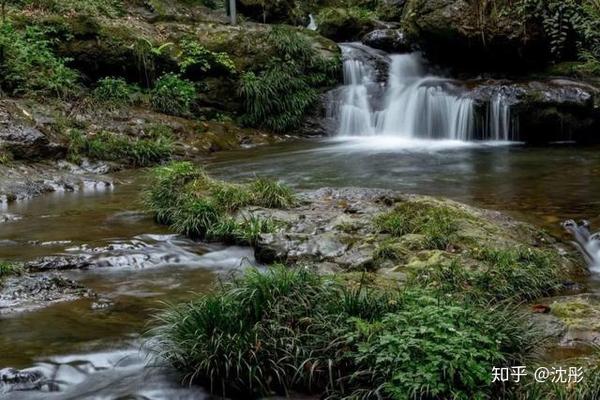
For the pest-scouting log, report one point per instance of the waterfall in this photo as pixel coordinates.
(498, 119)
(312, 25)
(415, 105)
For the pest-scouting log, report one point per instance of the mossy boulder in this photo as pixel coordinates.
(472, 36)
(581, 316)
(346, 24)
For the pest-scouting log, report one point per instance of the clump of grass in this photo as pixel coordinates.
(515, 274)
(437, 223)
(388, 250)
(271, 194)
(115, 92)
(9, 269)
(138, 152)
(183, 196)
(173, 95)
(286, 330)
(5, 157)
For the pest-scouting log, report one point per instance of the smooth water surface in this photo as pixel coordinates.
(541, 185)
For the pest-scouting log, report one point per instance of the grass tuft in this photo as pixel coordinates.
(184, 197)
(436, 223)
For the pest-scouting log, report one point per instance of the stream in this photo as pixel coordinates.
(92, 346)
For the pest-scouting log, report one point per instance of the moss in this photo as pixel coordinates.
(580, 312)
(8, 269)
(343, 24)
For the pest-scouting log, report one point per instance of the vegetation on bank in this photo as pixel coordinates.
(107, 146)
(183, 196)
(278, 96)
(286, 330)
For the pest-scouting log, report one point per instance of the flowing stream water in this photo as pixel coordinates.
(398, 127)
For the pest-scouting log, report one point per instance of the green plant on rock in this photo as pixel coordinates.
(278, 96)
(173, 95)
(106, 8)
(437, 223)
(337, 340)
(115, 92)
(137, 152)
(196, 59)
(147, 54)
(511, 274)
(28, 64)
(8, 269)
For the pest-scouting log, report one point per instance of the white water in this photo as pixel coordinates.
(415, 105)
(586, 242)
(312, 25)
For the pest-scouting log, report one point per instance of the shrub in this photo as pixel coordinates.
(285, 330)
(108, 146)
(173, 95)
(436, 223)
(115, 92)
(27, 64)
(184, 197)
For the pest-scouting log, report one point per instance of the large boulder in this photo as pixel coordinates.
(545, 110)
(390, 40)
(461, 34)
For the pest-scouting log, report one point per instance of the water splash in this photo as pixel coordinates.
(586, 242)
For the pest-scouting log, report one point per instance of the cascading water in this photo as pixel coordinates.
(415, 106)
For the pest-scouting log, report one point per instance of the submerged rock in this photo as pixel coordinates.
(12, 380)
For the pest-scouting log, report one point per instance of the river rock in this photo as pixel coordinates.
(59, 263)
(545, 110)
(12, 380)
(390, 40)
(333, 229)
(29, 292)
(458, 33)
(23, 141)
(580, 315)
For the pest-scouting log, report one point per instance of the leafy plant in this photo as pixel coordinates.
(28, 64)
(515, 274)
(115, 91)
(437, 224)
(173, 95)
(193, 204)
(278, 96)
(195, 58)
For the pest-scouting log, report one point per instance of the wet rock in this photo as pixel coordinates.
(390, 40)
(12, 380)
(580, 315)
(29, 292)
(23, 141)
(19, 181)
(333, 229)
(455, 33)
(545, 111)
(59, 263)
(7, 217)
